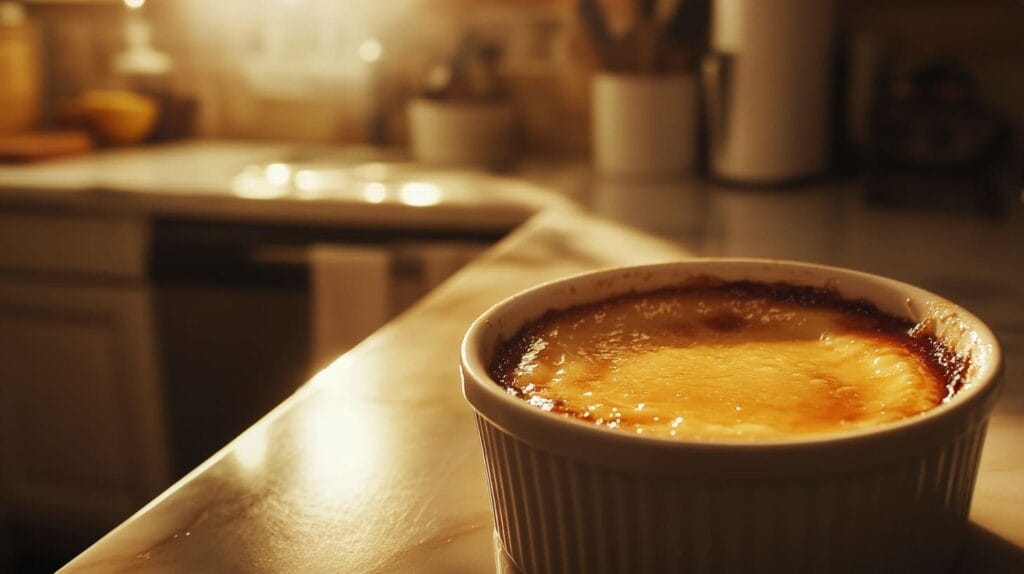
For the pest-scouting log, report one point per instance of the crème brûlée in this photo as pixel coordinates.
(733, 360)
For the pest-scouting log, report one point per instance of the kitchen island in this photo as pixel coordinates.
(374, 465)
(135, 285)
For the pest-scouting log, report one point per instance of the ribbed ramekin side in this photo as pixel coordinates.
(554, 514)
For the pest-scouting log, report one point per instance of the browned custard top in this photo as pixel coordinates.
(736, 360)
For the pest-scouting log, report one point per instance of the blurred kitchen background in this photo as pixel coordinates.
(316, 70)
(421, 132)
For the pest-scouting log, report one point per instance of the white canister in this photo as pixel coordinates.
(644, 126)
(767, 79)
(464, 134)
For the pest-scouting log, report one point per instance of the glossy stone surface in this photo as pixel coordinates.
(375, 464)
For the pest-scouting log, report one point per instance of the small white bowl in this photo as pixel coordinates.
(644, 126)
(571, 497)
(462, 134)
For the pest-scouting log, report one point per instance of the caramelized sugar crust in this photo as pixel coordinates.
(733, 360)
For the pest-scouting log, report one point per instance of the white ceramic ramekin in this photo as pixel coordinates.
(471, 134)
(571, 497)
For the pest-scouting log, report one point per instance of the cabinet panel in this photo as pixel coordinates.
(61, 395)
(91, 244)
(80, 415)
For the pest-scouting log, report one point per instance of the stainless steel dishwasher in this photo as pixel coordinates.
(245, 313)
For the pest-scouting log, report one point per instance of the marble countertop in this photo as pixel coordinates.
(276, 182)
(375, 466)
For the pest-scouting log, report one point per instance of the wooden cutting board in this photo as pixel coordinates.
(38, 146)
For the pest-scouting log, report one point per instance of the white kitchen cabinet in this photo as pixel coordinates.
(81, 429)
(68, 243)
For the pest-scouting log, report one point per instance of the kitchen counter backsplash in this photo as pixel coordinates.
(317, 70)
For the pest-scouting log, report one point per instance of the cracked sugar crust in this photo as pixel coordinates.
(738, 360)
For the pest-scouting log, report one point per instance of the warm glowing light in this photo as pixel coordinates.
(420, 194)
(250, 449)
(252, 184)
(278, 174)
(339, 458)
(134, 4)
(307, 180)
(375, 192)
(370, 50)
(254, 189)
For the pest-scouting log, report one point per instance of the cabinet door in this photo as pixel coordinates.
(81, 431)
